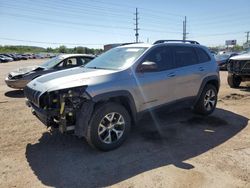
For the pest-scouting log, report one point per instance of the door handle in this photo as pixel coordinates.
(201, 69)
(172, 74)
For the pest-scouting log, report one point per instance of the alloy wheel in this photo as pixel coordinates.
(111, 128)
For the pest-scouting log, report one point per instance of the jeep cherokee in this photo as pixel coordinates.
(99, 101)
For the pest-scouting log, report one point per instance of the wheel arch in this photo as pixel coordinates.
(213, 80)
(122, 97)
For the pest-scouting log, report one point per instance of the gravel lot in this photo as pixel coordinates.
(177, 149)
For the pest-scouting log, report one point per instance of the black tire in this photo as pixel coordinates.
(202, 106)
(99, 118)
(233, 81)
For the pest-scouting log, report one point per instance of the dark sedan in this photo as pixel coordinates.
(19, 78)
(222, 59)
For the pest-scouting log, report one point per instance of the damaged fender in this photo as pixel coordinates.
(83, 117)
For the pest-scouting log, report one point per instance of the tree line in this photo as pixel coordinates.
(61, 49)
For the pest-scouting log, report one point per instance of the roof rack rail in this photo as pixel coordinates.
(123, 44)
(184, 41)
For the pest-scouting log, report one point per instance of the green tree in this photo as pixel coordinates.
(62, 49)
(49, 49)
(80, 50)
(237, 48)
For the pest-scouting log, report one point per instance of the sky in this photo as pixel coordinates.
(93, 23)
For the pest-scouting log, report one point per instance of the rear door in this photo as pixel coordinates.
(190, 70)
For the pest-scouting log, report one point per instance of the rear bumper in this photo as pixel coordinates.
(16, 84)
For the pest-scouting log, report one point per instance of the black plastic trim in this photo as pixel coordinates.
(203, 84)
(119, 93)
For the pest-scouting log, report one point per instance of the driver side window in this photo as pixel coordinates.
(162, 56)
(68, 63)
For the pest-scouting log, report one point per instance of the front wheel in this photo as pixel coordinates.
(109, 126)
(207, 101)
(233, 81)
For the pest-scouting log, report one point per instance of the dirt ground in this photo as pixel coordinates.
(177, 149)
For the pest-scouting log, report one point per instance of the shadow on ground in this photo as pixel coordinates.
(15, 94)
(245, 88)
(66, 161)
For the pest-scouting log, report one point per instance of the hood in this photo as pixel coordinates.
(241, 57)
(221, 59)
(69, 78)
(24, 70)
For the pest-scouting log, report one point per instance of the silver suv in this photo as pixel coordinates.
(102, 99)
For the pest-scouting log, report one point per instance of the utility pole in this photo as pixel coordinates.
(136, 26)
(185, 29)
(247, 35)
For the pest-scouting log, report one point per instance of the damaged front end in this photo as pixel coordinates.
(68, 109)
(239, 67)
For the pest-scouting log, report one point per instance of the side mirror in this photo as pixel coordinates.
(147, 66)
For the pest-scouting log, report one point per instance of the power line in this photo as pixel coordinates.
(68, 14)
(139, 7)
(43, 42)
(80, 24)
(218, 34)
(68, 22)
(81, 8)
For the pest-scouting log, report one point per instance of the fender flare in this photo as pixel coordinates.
(119, 93)
(203, 84)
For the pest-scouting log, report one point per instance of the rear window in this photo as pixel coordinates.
(202, 55)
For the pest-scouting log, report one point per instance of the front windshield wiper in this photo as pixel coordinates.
(101, 68)
(93, 67)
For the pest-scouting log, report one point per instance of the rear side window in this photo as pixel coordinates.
(185, 56)
(202, 55)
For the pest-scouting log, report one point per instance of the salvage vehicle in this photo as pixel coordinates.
(238, 70)
(223, 59)
(18, 79)
(102, 99)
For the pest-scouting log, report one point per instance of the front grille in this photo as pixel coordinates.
(239, 66)
(32, 95)
(246, 66)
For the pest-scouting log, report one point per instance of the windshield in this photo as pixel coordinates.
(224, 56)
(52, 62)
(116, 58)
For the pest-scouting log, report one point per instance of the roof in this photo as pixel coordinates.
(72, 55)
(142, 45)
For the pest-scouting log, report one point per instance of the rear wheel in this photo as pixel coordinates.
(109, 127)
(233, 81)
(207, 101)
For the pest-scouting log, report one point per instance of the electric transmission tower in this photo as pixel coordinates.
(136, 26)
(185, 29)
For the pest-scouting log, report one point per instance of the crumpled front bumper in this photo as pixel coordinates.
(44, 116)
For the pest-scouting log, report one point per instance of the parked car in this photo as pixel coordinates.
(238, 70)
(5, 59)
(18, 56)
(11, 56)
(19, 78)
(223, 59)
(99, 101)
